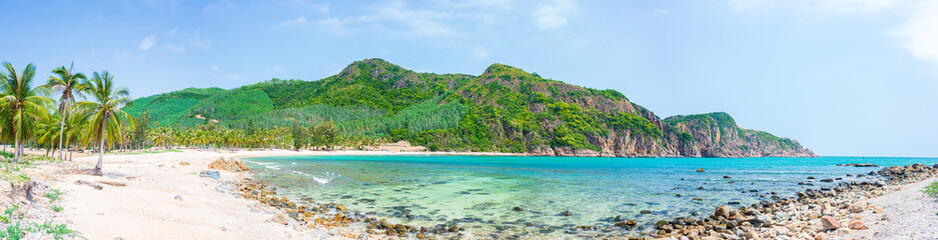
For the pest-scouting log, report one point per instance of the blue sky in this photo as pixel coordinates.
(843, 77)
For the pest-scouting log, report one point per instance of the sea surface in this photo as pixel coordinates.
(480, 193)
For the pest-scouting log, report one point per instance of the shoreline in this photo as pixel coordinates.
(212, 209)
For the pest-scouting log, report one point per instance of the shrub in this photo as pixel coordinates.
(931, 189)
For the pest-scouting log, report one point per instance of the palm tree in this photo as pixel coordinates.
(69, 84)
(20, 105)
(106, 115)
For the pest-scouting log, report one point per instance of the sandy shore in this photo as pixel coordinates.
(907, 214)
(148, 206)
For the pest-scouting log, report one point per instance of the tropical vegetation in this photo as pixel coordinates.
(369, 102)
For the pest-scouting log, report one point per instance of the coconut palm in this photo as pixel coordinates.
(70, 84)
(106, 116)
(21, 105)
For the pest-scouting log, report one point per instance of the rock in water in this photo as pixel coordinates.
(231, 165)
(857, 226)
(723, 211)
(828, 223)
(517, 209)
(210, 174)
(700, 170)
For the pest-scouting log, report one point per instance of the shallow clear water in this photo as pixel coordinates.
(479, 192)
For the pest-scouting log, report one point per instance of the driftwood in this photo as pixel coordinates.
(90, 184)
(116, 184)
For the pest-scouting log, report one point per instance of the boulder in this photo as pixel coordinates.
(210, 174)
(723, 211)
(700, 170)
(231, 165)
(857, 226)
(829, 223)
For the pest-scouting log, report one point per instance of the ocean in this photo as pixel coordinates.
(549, 196)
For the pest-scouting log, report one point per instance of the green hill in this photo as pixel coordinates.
(504, 109)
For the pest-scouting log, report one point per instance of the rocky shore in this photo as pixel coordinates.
(826, 213)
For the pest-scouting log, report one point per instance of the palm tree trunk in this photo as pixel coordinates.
(16, 151)
(62, 130)
(97, 167)
(67, 142)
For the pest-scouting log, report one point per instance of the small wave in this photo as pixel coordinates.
(272, 167)
(322, 180)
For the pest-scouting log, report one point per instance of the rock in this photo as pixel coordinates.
(751, 235)
(617, 219)
(761, 221)
(877, 210)
(517, 209)
(829, 223)
(811, 178)
(184, 163)
(645, 211)
(177, 197)
(231, 165)
(723, 211)
(857, 226)
(210, 174)
(827, 180)
(280, 218)
(857, 207)
(565, 213)
(340, 207)
(726, 177)
(857, 165)
(820, 236)
(701, 169)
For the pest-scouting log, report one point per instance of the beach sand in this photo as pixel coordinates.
(907, 214)
(147, 207)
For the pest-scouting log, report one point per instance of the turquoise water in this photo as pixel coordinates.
(478, 193)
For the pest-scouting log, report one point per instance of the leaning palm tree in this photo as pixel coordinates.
(21, 105)
(106, 116)
(69, 84)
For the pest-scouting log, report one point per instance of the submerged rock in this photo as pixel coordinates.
(210, 174)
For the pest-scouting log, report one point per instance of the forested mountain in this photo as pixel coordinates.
(504, 109)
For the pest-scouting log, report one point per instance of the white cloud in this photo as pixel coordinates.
(175, 47)
(120, 54)
(919, 34)
(318, 7)
(199, 42)
(841, 6)
(331, 25)
(554, 14)
(172, 33)
(216, 6)
(480, 53)
(300, 21)
(420, 22)
(147, 42)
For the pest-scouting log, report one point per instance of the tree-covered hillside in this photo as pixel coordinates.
(504, 109)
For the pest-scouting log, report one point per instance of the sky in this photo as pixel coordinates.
(842, 77)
